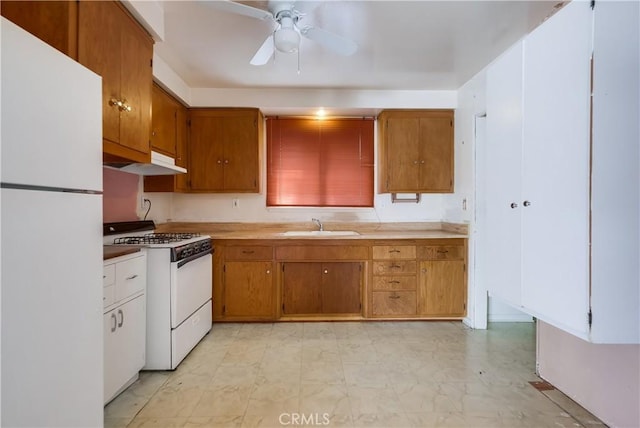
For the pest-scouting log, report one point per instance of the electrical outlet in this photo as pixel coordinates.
(235, 203)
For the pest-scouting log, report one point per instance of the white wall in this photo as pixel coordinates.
(604, 379)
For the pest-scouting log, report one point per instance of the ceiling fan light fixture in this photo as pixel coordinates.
(287, 40)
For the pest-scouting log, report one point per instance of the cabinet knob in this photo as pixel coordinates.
(422, 162)
(268, 271)
(415, 162)
(219, 161)
(326, 271)
(514, 205)
(526, 203)
(226, 161)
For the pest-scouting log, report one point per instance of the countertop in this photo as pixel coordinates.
(366, 231)
(112, 251)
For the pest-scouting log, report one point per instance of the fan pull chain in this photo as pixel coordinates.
(298, 52)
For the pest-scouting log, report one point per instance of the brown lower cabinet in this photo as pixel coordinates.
(248, 289)
(440, 288)
(311, 288)
(267, 280)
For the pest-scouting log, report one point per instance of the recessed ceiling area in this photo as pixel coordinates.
(402, 45)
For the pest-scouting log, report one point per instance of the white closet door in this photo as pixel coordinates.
(503, 166)
(555, 175)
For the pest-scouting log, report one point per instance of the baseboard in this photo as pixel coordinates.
(510, 318)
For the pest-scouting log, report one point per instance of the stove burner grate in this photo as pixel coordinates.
(156, 238)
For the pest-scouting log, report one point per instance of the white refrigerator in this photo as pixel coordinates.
(51, 237)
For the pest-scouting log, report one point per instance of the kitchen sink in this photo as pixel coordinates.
(320, 233)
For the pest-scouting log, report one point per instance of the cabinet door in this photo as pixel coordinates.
(124, 344)
(241, 153)
(182, 152)
(341, 288)
(441, 290)
(555, 175)
(301, 288)
(403, 163)
(501, 203)
(99, 47)
(163, 122)
(54, 22)
(436, 154)
(248, 289)
(113, 45)
(206, 167)
(135, 86)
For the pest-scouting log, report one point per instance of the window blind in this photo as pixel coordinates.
(320, 163)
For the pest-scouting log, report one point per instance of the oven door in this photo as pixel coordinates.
(191, 286)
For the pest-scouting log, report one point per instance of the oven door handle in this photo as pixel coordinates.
(194, 257)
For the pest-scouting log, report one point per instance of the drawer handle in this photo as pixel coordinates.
(394, 251)
(104, 276)
(394, 282)
(121, 317)
(132, 277)
(443, 251)
(395, 266)
(115, 323)
(248, 251)
(394, 296)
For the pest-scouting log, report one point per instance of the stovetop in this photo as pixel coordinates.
(155, 238)
(141, 233)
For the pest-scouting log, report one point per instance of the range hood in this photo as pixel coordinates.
(160, 165)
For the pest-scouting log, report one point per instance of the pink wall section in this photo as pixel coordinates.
(120, 195)
(604, 379)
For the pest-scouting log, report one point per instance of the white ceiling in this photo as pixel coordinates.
(403, 45)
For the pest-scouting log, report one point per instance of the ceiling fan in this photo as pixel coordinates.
(287, 17)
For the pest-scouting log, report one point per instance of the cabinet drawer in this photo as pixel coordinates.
(329, 252)
(254, 252)
(393, 267)
(396, 303)
(109, 275)
(130, 277)
(391, 283)
(441, 252)
(108, 295)
(394, 252)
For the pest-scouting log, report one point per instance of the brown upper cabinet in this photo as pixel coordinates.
(164, 122)
(54, 22)
(169, 135)
(105, 38)
(113, 45)
(225, 150)
(415, 151)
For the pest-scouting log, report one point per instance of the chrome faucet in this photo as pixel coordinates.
(319, 223)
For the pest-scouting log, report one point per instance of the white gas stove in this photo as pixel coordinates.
(179, 288)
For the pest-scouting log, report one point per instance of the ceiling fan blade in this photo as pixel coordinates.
(333, 42)
(265, 52)
(241, 9)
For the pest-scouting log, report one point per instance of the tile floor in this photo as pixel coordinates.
(382, 374)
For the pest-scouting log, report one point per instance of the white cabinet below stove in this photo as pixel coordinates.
(124, 320)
